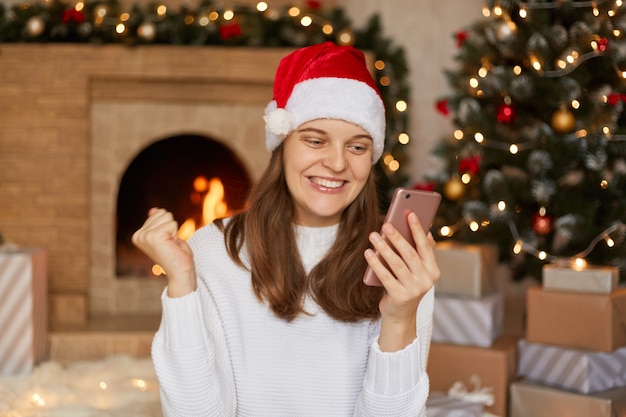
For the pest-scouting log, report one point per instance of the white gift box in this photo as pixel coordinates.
(592, 279)
(466, 269)
(468, 321)
(439, 404)
(578, 370)
(23, 310)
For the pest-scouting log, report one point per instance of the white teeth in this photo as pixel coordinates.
(327, 183)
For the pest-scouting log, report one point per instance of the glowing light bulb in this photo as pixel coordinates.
(579, 264)
(446, 231)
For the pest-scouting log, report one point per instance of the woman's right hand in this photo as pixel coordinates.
(158, 238)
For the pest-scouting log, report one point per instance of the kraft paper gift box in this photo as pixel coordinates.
(468, 321)
(466, 269)
(591, 279)
(439, 404)
(23, 310)
(584, 371)
(534, 400)
(577, 320)
(495, 367)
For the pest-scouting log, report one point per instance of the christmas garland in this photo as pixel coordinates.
(102, 22)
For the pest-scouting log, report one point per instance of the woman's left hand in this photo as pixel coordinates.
(411, 273)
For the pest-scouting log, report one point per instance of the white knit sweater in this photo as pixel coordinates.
(220, 352)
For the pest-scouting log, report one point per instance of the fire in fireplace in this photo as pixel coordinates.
(195, 177)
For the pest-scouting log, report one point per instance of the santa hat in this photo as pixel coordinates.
(324, 81)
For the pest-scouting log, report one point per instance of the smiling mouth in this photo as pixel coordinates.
(326, 183)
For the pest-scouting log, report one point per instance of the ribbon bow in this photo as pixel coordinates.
(482, 395)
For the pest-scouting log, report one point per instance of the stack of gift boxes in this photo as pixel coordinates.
(468, 343)
(572, 361)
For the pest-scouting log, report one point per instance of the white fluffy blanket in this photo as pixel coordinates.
(117, 386)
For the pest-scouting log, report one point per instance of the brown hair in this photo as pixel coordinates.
(278, 276)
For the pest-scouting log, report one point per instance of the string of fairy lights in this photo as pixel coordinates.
(563, 120)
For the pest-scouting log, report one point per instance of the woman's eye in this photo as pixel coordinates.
(313, 141)
(358, 148)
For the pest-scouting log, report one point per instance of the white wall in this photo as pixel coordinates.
(425, 29)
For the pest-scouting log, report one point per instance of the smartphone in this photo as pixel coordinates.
(404, 200)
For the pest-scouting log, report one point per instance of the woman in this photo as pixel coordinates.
(265, 313)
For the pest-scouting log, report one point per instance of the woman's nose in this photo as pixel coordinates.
(335, 159)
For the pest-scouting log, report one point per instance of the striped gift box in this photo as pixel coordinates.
(439, 404)
(23, 310)
(468, 321)
(583, 371)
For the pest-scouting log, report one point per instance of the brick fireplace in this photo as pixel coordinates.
(72, 119)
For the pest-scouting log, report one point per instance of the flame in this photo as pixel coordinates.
(213, 207)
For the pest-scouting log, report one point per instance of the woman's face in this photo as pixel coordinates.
(327, 163)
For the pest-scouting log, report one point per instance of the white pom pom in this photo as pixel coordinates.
(279, 122)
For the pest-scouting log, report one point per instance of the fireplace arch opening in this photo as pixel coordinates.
(195, 177)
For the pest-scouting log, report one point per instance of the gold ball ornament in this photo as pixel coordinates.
(454, 189)
(563, 121)
(35, 26)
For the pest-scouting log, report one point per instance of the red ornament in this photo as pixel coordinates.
(426, 186)
(507, 113)
(72, 15)
(542, 224)
(471, 165)
(615, 98)
(442, 107)
(311, 4)
(603, 44)
(461, 37)
(230, 30)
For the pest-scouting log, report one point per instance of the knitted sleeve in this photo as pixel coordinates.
(396, 383)
(189, 350)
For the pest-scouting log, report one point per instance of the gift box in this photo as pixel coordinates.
(534, 400)
(495, 367)
(571, 319)
(591, 279)
(577, 370)
(23, 310)
(439, 404)
(466, 269)
(468, 321)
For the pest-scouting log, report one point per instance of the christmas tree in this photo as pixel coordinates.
(536, 162)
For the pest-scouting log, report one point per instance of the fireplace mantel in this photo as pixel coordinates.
(60, 104)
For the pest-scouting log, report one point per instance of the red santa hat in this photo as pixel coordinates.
(324, 81)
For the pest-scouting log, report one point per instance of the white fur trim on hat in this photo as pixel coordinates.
(328, 98)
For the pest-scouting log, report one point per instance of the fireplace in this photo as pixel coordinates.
(152, 139)
(75, 119)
